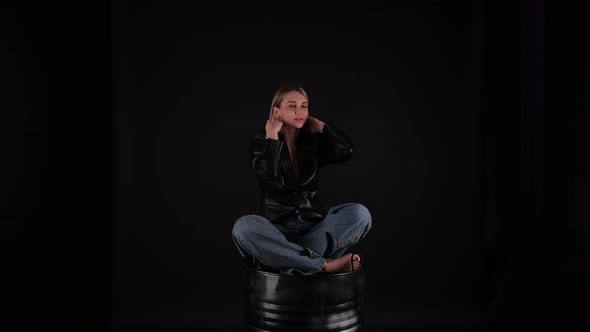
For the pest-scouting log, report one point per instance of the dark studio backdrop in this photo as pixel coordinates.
(194, 83)
(469, 119)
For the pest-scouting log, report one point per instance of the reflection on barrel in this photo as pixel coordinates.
(317, 302)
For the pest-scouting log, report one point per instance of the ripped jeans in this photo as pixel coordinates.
(298, 246)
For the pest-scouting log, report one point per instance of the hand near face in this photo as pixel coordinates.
(273, 126)
(314, 125)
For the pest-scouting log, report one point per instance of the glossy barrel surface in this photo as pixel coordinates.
(318, 302)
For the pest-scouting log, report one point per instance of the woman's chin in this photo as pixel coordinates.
(297, 125)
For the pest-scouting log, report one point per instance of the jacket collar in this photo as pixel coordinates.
(307, 166)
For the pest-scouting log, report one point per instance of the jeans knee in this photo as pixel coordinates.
(363, 215)
(242, 226)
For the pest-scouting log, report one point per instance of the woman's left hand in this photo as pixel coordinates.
(314, 125)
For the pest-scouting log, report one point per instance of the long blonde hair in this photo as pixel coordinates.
(280, 95)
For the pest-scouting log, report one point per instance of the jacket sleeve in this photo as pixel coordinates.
(265, 161)
(335, 147)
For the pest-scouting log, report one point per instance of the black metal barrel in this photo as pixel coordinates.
(317, 302)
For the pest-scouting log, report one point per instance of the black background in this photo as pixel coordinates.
(126, 150)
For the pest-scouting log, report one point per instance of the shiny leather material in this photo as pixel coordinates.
(281, 192)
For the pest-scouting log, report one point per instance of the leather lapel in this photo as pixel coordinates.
(286, 164)
(308, 166)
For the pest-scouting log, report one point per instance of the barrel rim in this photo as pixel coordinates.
(314, 275)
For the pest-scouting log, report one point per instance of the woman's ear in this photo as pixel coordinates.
(275, 112)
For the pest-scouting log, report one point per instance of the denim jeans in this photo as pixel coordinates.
(299, 246)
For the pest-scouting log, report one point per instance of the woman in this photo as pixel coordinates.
(293, 233)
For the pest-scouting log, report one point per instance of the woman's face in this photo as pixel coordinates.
(293, 109)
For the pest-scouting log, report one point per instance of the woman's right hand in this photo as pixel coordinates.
(273, 126)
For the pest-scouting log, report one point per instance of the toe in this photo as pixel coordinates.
(357, 261)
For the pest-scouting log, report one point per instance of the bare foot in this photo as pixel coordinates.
(342, 264)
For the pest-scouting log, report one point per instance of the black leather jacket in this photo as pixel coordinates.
(281, 193)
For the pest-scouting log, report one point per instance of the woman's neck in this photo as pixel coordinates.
(290, 135)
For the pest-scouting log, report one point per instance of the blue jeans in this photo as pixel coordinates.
(296, 245)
